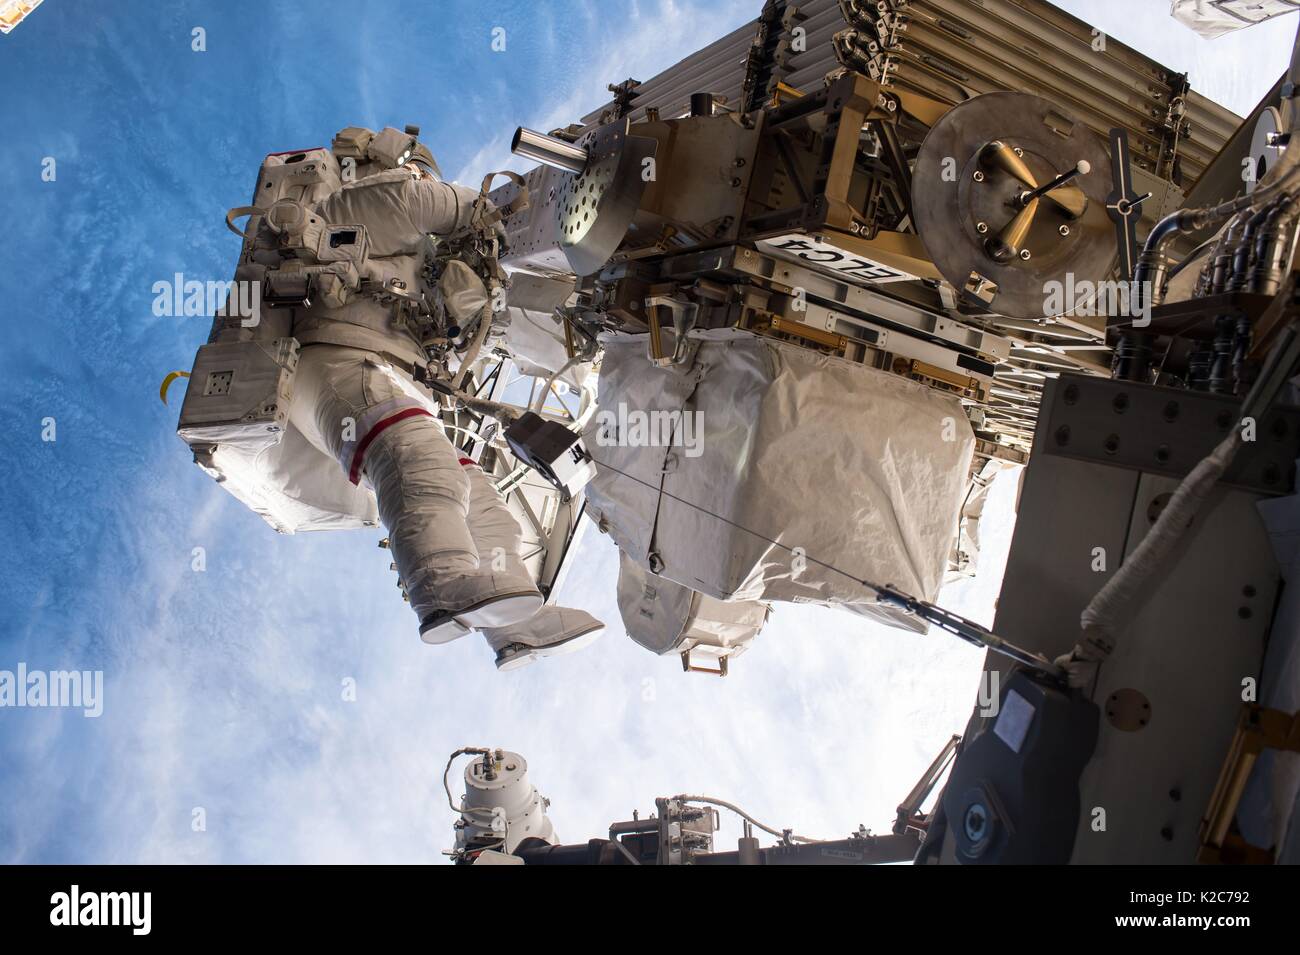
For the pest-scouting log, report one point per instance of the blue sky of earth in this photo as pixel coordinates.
(223, 688)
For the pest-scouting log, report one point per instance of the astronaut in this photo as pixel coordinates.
(348, 257)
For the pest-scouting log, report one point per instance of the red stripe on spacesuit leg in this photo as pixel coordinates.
(469, 461)
(359, 455)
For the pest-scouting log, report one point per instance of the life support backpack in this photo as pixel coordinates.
(298, 259)
(295, 255)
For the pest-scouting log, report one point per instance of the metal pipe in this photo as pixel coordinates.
(1152, 268)
(1221, 267)
(1241, 256)
(1274, 248)
(594, 852)
(1150, 274)
(550, 150)
(856, 850)
(1081, 168)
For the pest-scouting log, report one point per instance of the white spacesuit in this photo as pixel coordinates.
(354, 398)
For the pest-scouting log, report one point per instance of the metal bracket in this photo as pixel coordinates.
(684, 314)
(1258, 729)
(1165, 431)
(689, 667)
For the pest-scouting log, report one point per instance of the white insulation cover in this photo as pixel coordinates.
(292, 486)
(665, 617)
(1214, 18)
(859, 469)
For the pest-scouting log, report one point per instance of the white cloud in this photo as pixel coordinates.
(623, 51)
(223, 689)
(1235, 70)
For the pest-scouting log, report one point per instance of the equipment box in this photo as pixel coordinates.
(239, 392)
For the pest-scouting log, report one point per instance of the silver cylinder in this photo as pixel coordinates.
(549, 150)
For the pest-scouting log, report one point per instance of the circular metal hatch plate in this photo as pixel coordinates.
(961, 201)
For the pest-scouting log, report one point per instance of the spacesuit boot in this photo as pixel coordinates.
(497, 538)
(443, 626)
(367, 414)
(552, 631)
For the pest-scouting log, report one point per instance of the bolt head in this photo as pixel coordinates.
(976, 822)
(1064, 230)
(978, 176)
(1024, 254)
(981, 227)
